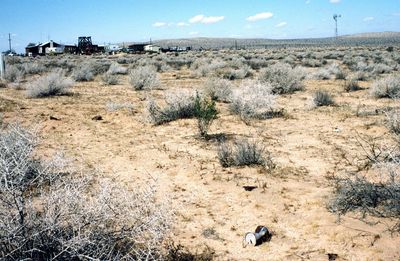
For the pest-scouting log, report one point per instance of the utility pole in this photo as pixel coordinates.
(2, 66)
(9, 41)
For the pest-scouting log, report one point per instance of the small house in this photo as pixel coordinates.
(152, 48)
(112, 48)
(71, 49)
(137, 48)
(50, 46)
(32, 50)
(43, 48)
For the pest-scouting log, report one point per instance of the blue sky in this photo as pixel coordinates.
(109, 21)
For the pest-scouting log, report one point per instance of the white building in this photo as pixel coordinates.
(152, 48)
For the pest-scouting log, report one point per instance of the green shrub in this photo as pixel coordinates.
(205, 113)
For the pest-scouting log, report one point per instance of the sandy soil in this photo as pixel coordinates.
(212, 208)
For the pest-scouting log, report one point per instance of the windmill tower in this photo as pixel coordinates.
(335, 17)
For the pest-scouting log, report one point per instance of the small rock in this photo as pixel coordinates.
(97, 118)
(249, 188)
(54, 118)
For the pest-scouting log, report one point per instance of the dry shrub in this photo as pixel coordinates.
(380, 198)
(361, 76)
(180, 253)
(115, 68)
(47, 213)
(98, 67)
(3, 84)
(144, 78)
(388, 87)
(374, 192)
(244, 153)
(321, 74)
(34, 68)
(380, 68)
(322, 98)
(254, 100)
(115, 106)
(179, 105)
(393, 118)
(55, 83)
(333, 71)
(14, 74)
(207, 67)
(351, 85)
(109, 79)
(83, 73)
(282, 78)
(308, 62)
(218, 89)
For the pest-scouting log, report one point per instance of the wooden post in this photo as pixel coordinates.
(2, 66)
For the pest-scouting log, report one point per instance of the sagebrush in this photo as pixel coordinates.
(254, 100)
(55, 83)
(144, 78)
(48, 213)
(282, 78)
(244, 152)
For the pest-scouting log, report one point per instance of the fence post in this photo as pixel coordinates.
(2, 66)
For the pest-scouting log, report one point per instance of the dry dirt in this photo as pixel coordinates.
(212, 208)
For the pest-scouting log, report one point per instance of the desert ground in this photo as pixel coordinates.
(309, 145)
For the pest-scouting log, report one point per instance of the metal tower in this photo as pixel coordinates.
(335, 17)
(85, 44)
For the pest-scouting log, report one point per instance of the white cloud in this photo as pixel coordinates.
(308, 1)
(334, 1)
(205, 19)
(159, 24)
(182, 24)
(368, 18)
(212, 19)
(283, 24)
(259, 16)
(193, 33)
(196, 19)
